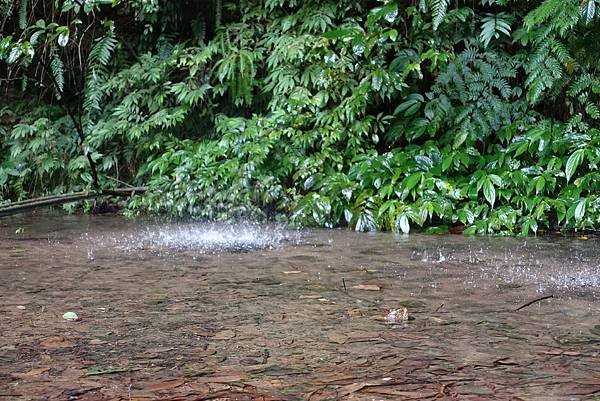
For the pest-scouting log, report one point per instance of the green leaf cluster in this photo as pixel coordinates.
(376, 115)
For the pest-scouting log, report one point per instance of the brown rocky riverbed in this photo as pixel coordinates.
(199, 312)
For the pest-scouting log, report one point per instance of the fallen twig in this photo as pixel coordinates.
(534, 301)
(30, 204)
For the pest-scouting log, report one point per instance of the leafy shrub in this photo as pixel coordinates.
(383, 115)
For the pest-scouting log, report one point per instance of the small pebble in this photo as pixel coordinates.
(71, 316)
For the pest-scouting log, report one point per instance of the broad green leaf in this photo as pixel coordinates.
(63, 39)
(340, 34)
(495, 179)
(348, 215)
(410, 106)
(470, 230)
(489, 192)
(588, 10)
(580, 209)
(447, 161)
(412, 181)
(540, 184)
(573, 162)
(404, 224)
(309, 182)
(460, 139)
(521, 149)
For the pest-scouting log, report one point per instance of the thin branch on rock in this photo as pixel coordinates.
(532, 302)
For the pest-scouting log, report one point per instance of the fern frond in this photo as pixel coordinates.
(547, 66)
(439, 9)
(540, 15)
(102, 51)
(23, 14)
(561, 15)
(592, 110)
(476, 95)
(492, 26)
(588, 10)
(58, 72)
(584, 82)
(560, 50)
(98, 60)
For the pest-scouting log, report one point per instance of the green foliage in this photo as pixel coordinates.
(40, 153)
(58, 72)
(515, 187)
(236, 70)
(588, 10)
(23, 15)
(98, 60)
(379, 115)
(492, 26)
(230, 177)
(439, 8)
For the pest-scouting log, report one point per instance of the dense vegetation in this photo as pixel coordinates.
(374, 114)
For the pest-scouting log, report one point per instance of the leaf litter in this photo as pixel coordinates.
(304, 321)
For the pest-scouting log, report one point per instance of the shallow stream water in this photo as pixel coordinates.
(196, 311)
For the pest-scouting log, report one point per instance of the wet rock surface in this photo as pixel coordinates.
(283, 315)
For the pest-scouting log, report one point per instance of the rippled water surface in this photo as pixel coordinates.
(309, 315)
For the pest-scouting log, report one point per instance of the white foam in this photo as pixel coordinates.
(214, 237)
(200, 237)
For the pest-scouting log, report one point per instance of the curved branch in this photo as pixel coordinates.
(31, 204)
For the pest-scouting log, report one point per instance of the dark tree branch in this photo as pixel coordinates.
(31, 204)
(78, 125)
(533, 302)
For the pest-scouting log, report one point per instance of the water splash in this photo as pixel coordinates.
(198, 237)
(542, 263)
(215, 237)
